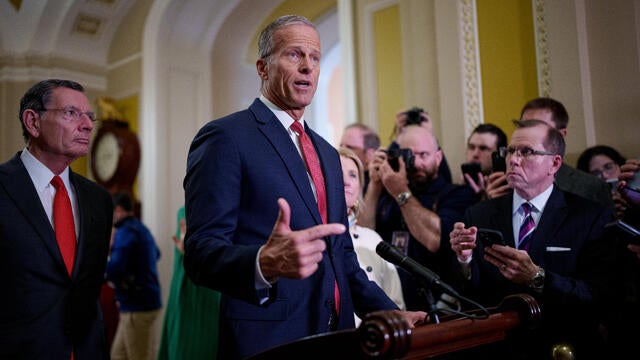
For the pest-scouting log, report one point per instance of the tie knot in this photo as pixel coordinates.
(297, 127)
(526, 207)
(57, 182)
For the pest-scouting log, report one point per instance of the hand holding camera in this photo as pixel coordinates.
(396, 153)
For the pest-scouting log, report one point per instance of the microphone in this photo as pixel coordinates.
(394, 256)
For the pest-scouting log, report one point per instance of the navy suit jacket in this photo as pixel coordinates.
(569, 244)
(43, 311)
(238, 166)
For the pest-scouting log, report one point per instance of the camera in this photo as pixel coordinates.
(414, 117)
(394, 154)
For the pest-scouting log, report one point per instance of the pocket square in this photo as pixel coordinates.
(557, 248)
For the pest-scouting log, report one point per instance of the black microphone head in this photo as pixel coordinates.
(390, 253)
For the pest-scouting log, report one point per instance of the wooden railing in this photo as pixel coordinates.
(385, 335)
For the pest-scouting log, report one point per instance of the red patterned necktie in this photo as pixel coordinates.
(527, 227)
(63, 223)
(313, 166)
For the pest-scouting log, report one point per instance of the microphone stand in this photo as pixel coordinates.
(432, 310)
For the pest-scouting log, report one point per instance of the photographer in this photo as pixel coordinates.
(417, 116)
(415, 202)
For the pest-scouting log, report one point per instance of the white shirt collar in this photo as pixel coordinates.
(538, 202)
(282, 115)
(40, 174)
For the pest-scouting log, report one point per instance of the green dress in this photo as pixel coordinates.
(190, 328)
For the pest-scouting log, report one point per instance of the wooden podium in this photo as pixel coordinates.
(385, 335)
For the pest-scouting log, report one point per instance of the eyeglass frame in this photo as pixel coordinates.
(75, 114)
(509, 150)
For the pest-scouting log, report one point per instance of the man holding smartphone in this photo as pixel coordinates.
(555, 250)
(484, 140)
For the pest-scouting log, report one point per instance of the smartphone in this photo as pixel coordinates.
(624, 231)
(498, 162)
(472, 169)
(489, 237)
(613, 185)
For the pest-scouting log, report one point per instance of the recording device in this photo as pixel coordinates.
(632, 190)
(498, 162)
(472, 168)
(624, 231)
(394, 256)
(414, 117)
(394, 153)
(489, 237)
(613, 185)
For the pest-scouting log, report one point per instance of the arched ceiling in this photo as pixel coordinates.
(77, 30)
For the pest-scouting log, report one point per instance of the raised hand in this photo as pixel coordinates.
(294, 254)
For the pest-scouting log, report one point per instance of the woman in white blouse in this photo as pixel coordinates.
(365, 239)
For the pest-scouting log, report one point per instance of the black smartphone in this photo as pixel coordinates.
(472, 168)
(498, 162)
(489, 237)
(624, 231)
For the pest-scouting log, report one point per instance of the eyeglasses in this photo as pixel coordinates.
(606, 169)
(74, 114)
(524, 152)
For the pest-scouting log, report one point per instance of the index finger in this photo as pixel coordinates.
(320, 231)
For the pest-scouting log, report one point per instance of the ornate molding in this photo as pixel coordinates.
(542, 48)
(471, 74)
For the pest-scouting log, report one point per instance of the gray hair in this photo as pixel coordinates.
(265, 43)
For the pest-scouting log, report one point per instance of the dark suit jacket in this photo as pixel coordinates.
(237, 168)
(569, 244)
(43, 311)
(586, 185)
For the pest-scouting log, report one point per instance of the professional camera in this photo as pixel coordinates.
(414, 117)
(393, 154)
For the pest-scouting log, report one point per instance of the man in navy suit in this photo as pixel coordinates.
(563, 258)
(49, 309)
(245, 173)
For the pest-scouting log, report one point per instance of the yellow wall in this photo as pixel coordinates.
(507, 59)
(389, 75)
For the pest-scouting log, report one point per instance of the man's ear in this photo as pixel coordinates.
(263, 69)
(557, 163)
(31, 121)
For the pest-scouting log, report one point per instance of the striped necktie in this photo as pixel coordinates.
(527, 227)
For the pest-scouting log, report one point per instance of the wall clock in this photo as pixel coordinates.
(115, 156)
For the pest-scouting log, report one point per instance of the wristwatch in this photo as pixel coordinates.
(402, 198)
(537, 282)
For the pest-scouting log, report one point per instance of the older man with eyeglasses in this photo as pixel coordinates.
(555, 249)
(55, 227)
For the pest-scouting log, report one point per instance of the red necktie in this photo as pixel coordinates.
(63, 223)
(313, 166)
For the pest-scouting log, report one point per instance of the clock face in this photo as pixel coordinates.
(107, 155)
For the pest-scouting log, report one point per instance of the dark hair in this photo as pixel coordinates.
(501, 137)
(123, 200)
(590, 153)
(266, 45)
(553, 142)
(39, 95)
(371, 139)
(559, 114)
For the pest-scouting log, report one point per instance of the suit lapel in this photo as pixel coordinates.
(85, 214)
(275, 133)
(26, 200)
(552, 218)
